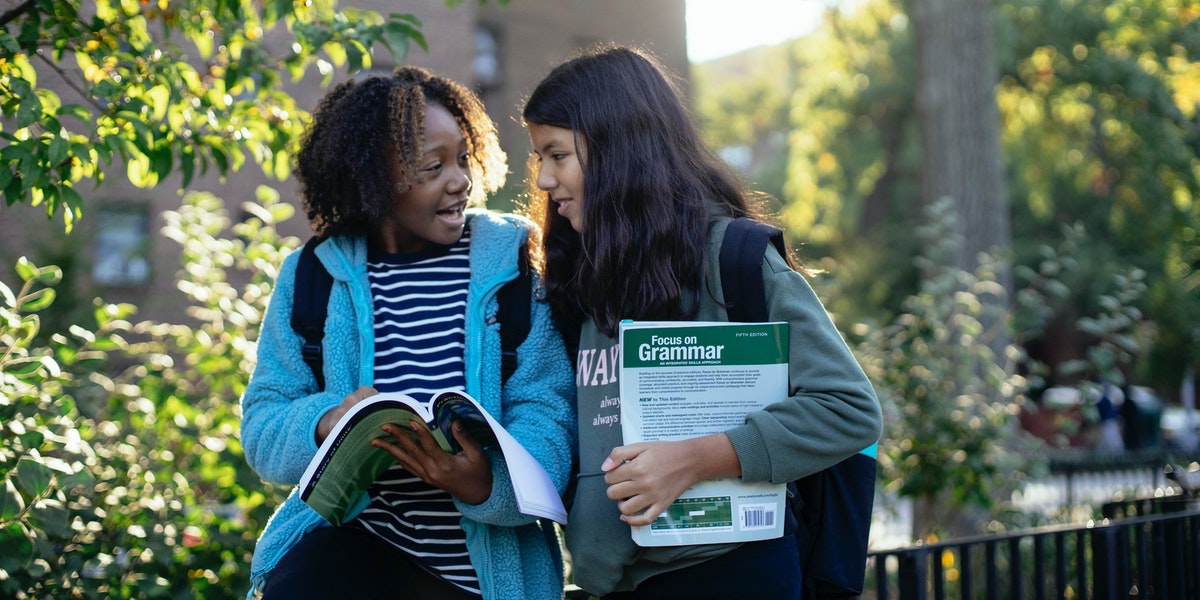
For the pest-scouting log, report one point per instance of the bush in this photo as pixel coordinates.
(121, 475)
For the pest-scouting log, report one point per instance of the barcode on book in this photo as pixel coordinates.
(758, 516)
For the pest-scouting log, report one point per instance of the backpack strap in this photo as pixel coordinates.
(829, 511)
(516, 298)
(310, 306)
(741, 268)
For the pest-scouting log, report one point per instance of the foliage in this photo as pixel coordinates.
(134, 485)
(742, 106)
(947, 399)
(1098, 103)
(851, 192)
(164, 87)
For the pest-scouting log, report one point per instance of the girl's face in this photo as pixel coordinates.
(560, 169)
(431, 211)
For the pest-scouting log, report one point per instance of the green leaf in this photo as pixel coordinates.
(82, 114)
(336, 53)
(59, 148)
(37, 300)
(8, 43)
(72, 198)
(52, 518)
(161, 161)
(81, 481)
(221, 160)
(25, 269)
(23, 367)
(16, 546)
(35, 478)
(52, 125)
(11, 502)
(187, 164)
(29, 109)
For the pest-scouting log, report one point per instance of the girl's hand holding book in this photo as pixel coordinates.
(466, 475)
(330, 418)
(646, 477)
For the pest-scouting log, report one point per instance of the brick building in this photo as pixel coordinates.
(117, 253)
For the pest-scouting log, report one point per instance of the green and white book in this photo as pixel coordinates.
(346, 463)
(686, 379)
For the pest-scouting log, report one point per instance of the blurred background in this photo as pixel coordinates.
(999, 200)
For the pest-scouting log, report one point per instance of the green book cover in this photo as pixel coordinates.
(346, 463)
(685, 379)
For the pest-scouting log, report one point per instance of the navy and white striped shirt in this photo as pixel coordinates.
(420, 317)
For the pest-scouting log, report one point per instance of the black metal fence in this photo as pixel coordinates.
(1150, 556)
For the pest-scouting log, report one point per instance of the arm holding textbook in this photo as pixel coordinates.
(646, 477)
(466, 475)
(830, 411)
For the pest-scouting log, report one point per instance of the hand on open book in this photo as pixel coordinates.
(331, 417)
(646, 477)
(466, 475)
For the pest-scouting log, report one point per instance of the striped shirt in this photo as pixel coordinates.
(420, 317)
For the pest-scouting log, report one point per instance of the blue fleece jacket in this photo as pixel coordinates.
(515, 556)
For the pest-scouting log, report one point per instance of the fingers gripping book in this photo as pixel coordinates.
(346, 463)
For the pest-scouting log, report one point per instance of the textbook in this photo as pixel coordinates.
(346, 463)
(685, 379)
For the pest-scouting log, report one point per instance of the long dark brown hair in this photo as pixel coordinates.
(651, 187)
(361, 127)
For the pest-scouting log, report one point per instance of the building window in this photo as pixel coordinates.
(120, 252)
(486, 68)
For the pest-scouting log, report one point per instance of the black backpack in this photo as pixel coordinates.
(311, 304)
(832, 507)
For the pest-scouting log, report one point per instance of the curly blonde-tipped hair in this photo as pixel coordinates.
(346, 163)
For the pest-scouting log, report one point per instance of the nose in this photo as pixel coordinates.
(545, 179)
(461, 182)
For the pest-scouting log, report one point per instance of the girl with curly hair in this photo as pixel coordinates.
(634, 209)
(393, 172)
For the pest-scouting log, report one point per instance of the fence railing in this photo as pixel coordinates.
(1088, 476)
(1152, 556)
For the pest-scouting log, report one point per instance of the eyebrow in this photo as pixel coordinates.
(548, 146)
(462, 142)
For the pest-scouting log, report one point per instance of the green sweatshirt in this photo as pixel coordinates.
(830, 415)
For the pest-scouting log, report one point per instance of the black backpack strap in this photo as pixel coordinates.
(741, 268)
(310, 305)
(516, 299)
(829, 511)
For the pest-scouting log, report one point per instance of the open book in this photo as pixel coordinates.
(346, 463)
(681, 380)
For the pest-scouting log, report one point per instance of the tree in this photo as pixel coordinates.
(1100, 102)
(742, 105)
(1098, 105)
(957, 73)
(181, 86)
(121, 474)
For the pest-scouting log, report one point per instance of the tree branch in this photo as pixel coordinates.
(71, 83)
(16, 11)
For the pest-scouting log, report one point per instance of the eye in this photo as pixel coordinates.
(558, 155)
(463, 158)
(433, 167)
